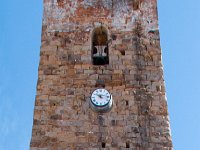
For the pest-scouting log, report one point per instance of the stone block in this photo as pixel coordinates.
(48, 48)
(55, 42)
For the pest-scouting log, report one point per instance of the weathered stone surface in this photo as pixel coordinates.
(63, 119)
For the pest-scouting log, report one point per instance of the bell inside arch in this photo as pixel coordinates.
(100, 52)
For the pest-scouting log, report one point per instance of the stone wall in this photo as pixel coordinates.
(63, 118)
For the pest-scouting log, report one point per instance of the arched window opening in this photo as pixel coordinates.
(103, 144)
(100, 51)
(127, 145)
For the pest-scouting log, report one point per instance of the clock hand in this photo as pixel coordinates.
(104, 95)
(100, 96)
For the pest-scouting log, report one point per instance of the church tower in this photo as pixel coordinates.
(100, 79)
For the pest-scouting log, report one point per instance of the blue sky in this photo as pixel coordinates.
(20, 31)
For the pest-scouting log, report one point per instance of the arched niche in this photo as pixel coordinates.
(100, 49)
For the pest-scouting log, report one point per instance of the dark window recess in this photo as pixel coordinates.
(114, 122)
(100, 51)
(127, 145)
(122, 52)
(114, 37)
(103, 144)
(127, 103)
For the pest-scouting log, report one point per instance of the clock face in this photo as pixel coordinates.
(100, 97)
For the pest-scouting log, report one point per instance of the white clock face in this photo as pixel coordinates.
(100, 97)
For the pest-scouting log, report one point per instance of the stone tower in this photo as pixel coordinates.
(94, 45)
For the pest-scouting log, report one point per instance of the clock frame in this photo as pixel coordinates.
(101, 100)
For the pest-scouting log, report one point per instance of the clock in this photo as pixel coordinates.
(101, 100)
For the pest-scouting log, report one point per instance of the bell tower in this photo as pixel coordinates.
(100, 78)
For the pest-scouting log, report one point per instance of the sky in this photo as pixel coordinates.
(20, 39)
